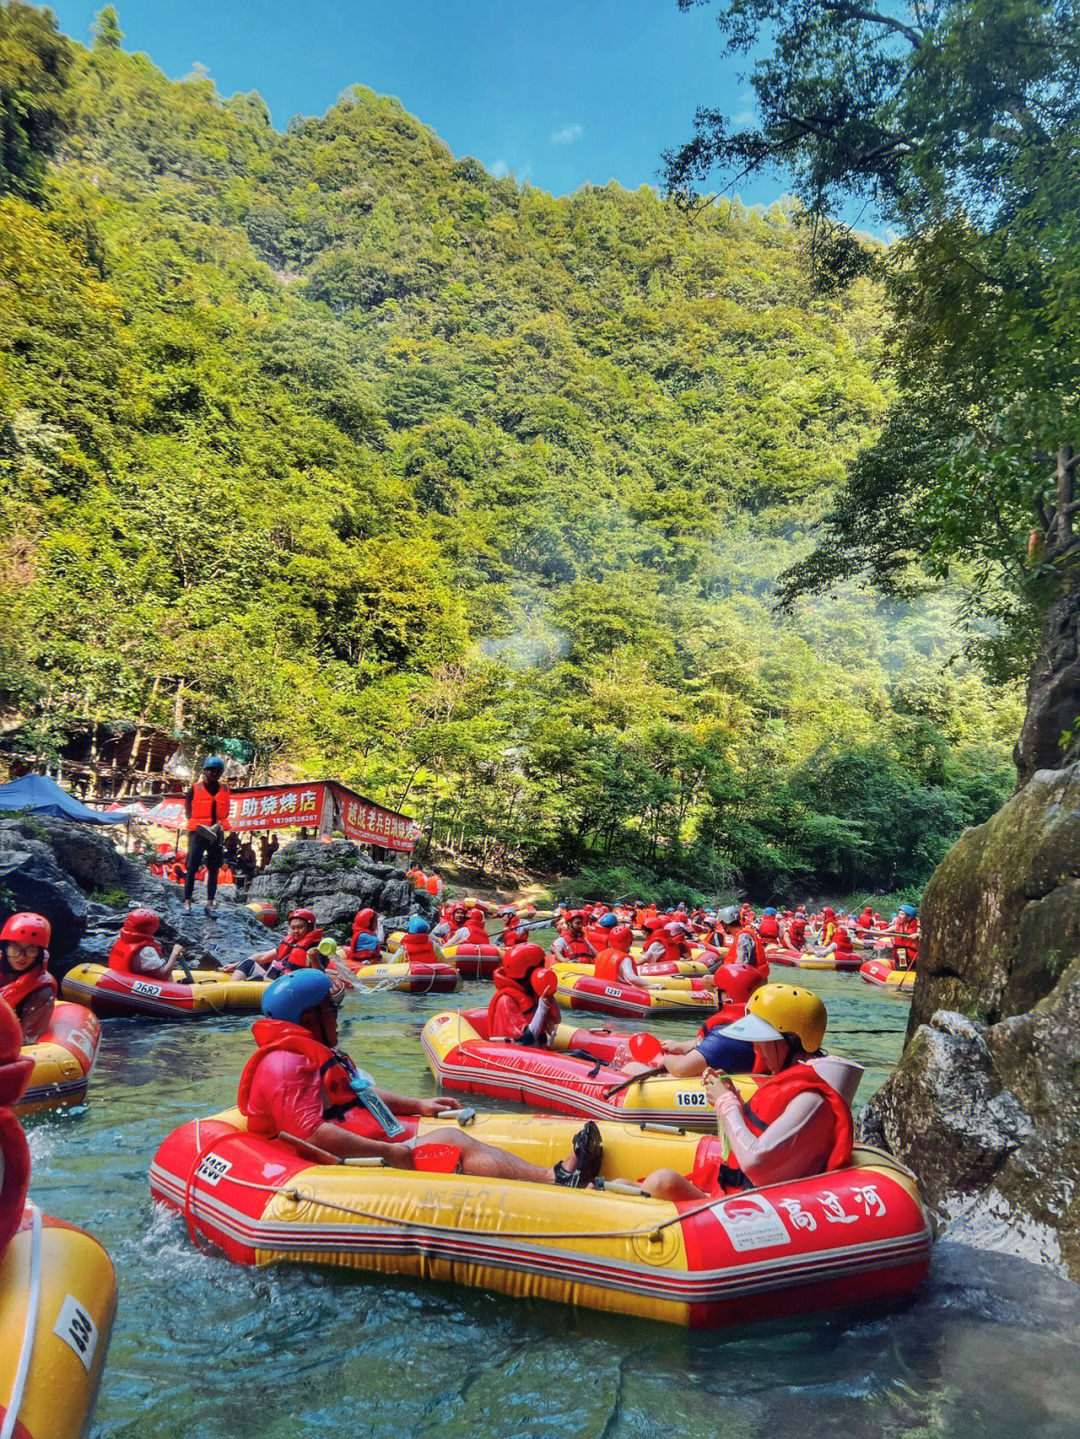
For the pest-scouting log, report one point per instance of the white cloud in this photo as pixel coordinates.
(499, 169)
(567, 135)
(744, 118)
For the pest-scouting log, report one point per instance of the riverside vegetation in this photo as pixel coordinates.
(472, 496)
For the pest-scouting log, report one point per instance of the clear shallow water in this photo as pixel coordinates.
(989, 1349)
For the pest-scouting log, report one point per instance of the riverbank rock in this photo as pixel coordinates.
(984, 1105)
(335, 880)
(74, 875)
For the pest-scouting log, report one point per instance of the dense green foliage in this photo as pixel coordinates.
(957, 122)
(473, 497)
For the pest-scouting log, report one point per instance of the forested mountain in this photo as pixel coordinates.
(471, 496)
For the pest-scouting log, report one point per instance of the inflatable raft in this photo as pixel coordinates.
(853, 1236)
(473, 961)
(112, 994)
(882, 972)
(806, 959)
(583, 991)
(57, 1302)
(406, 976)
(63, 1060)
(576, 1075)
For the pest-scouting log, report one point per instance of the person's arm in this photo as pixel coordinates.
(626, 971)
(773, 1156)
(346, 1144)
(189, 800)
(684, 1066)
(679, 1046)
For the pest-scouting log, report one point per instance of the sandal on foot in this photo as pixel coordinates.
(589, 1153)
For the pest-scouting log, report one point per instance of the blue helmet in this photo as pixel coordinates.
(294, 994)
(215, 764)
(909, 910)
(418, 925)
(608, 921)
(768, 911)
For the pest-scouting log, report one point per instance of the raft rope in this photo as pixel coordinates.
(33, 1305)
(295, 1196)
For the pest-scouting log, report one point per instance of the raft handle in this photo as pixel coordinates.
(625, 1186)
(657, 1126)
(465, 1116)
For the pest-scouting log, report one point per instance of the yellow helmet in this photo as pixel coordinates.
(791, 1010)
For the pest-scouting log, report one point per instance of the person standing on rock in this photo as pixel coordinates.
(206, 806)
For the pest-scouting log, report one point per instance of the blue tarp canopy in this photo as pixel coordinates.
(41, 795)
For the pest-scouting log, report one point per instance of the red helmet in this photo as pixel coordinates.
(621, 938)
(361, 921)
(738, 981)
(654, 922)
(305, 914)
(459, 909)
(27, 928)
(521, 958)
(139, 923)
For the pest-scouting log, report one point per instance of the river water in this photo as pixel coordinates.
(989, 1349)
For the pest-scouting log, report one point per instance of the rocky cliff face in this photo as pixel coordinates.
(984, 1105)
(335, 880)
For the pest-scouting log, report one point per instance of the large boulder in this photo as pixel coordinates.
(74, 875)
(335, 880)
(984, 1105)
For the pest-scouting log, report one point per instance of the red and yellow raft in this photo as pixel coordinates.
(843, 962)
(112, 994)
(576, 1075)
(414, 976)
(63, 1060)
(853, 1236)
(57, 1303)
(581, 990)
(473, 961)
(882, 972)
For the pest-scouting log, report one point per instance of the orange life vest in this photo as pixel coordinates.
(419, 947)
(297, 955)
(207, 808)
(606, 965)
(774, 1096)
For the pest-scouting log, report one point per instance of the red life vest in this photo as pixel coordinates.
(674, 949)
(906, 950)
(574, 949)
(125, 950)
(606, 965)
(728, 1015)
(774, 1096)
(207, 808)
(297, 956)
(842, 939)
(339, 1102)
(769, 928)
(758, 956)
(419, 947)
(369, 953)
(512, 1006)
(14, 991)
(798, 931)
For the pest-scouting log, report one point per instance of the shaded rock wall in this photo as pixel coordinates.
(335, 880)
(984, 1105)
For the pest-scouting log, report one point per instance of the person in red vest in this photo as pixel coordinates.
(298, 950)
(797, 1123)
(26, 985)
(905, 930)
(365, 944)
(669, 943)
(769, 926)
(793, 930)
(614, 963)
(522, 1007)
(206, 806)
(571, 946)
(136, 951)
(416, 944)
(743, 944)
(455, 928)
(300, 1085)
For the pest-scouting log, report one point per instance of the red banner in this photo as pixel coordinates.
(321, 806)
(366, 823)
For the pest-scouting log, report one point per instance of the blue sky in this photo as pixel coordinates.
(559, 91)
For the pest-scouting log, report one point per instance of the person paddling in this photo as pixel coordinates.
(799, 1120)
(300, 1084)
(206, 806)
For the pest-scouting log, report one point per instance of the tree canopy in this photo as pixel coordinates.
(472, 496)
(956, 123)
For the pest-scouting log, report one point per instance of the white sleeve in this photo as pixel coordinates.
(773, 1156)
